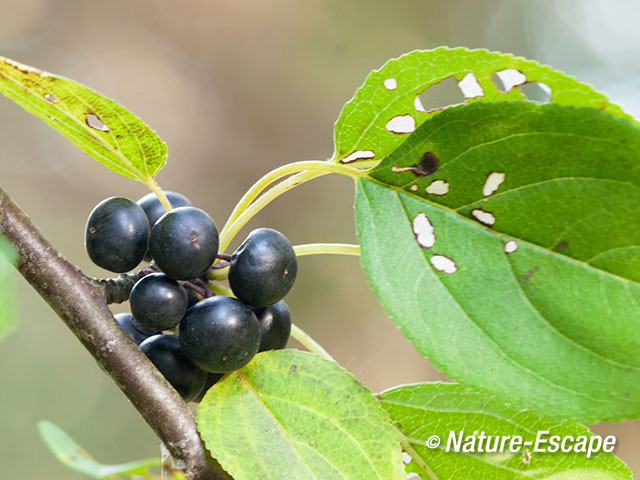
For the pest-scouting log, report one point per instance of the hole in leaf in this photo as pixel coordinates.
(51, 98)
(423, 231)
(444, 264)
(390, 84)
(438, 188)
(94, 122)
(401, 124)
(406, 458)
(536, 91)
(414, 188)
(483, 216)
(505, 80)
(414, 476)
(438, 96)
(510, 247)
(358, 155)
(428, 165)
(470, 87)
(491, 184)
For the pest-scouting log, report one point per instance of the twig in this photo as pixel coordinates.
(81, 304)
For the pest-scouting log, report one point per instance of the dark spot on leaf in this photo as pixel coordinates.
(562, 245)
(312, 442)
(526, 456)
(527, 276)
(225, 358)
(293, 368)
(428, 165)
(118, 136)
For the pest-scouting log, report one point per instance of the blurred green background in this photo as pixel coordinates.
(236, 89)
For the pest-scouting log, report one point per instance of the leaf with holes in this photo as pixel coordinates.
(294, 415)
(97, 125)
(522, 276)
(8, 314)
(407, 91)
(76, 458)
(425, 410)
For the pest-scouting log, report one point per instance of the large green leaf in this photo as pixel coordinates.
(291, 414)
(97, 125)
(540, 303)
(425, 410)
(390, 92)
(8, 317)
(76, 458)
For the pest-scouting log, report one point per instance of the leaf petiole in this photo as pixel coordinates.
(252, 202)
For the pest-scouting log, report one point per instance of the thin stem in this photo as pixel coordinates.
(279, 173)
(220, 289)
(301, 250)
(327, 248)
(308, 342)
(155, 188)
(405, 442)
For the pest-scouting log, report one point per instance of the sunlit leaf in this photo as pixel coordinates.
(291, 414)
(97, 125)
(406, 91)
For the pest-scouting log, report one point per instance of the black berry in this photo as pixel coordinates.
(184, 243)
(164, 352)
(275, 324)
(263, 268)
(219, 334)
(158, 302)
(136, 331)
(117, 234)
(154, 209)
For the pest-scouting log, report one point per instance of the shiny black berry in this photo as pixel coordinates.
(184, 243)
(136, 331)
(154, 209)
(158, 302)
(219, 334)
(275, 324)
(164, 352)
(263, 268)
(117, 234)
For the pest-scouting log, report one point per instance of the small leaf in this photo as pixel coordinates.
(423, 410)
(97, 125)
(8, 315)
(73, 456)
(391, 101)
(294, 415)
(524, 277)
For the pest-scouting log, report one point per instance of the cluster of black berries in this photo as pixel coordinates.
(215, 333)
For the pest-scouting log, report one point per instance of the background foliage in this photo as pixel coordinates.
(236, 90)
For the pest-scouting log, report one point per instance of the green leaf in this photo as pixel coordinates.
(73, 456)
(423, 410)
(360, 131)
(554, 325)
(291, 414)
(97, 125)
(8, 315)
